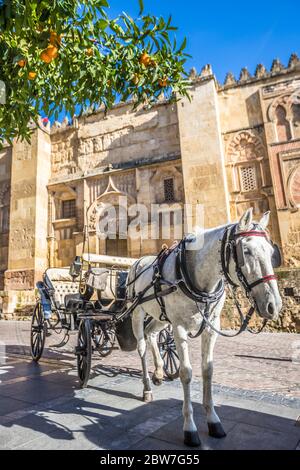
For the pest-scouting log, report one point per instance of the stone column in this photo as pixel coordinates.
(27, 258)
(51, 234)
(202, 154)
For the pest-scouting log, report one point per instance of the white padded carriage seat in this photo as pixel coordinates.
(62, 283)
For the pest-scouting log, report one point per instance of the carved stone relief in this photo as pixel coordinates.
(4, 194)
(123, 182)
(23, 152)
(23, 238)
(64, 158)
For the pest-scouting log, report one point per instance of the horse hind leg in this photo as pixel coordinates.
(138, 330)
(215, 428)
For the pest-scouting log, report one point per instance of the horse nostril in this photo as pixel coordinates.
(271, 308)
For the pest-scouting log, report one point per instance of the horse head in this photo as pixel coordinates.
(256, 258)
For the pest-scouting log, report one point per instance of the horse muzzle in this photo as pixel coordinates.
(270, 309)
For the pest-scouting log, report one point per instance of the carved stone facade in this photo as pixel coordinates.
(231, 147)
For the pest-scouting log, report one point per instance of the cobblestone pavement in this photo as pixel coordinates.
(256, 384)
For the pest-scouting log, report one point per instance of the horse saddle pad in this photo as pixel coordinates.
(97, 278)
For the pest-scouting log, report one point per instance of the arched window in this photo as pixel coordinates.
(282, 125)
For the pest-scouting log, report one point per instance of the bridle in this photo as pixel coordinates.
(232, 248)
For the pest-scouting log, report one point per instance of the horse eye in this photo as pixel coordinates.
(247, 251)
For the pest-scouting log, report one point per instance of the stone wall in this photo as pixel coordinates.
(289, 320)
(120, 137)
(5, 189)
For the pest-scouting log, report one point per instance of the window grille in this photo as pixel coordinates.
(169, 189)
(248, 179)
(69, 209)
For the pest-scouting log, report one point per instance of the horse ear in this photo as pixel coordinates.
(246, 220)
(264, 221)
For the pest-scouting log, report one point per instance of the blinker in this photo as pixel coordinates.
(276, 256)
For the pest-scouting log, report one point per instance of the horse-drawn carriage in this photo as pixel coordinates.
(90, 299)
(99, 294)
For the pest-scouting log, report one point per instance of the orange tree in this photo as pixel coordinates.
(69, 55)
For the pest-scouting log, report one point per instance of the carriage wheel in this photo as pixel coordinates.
(84, 352)
(104, 339)
(38, 333)
(167, 349)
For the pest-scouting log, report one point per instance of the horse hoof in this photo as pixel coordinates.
(147, 397)
(191, 439)
(156, 380)
(216, 430)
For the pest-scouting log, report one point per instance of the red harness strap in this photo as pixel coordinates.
(252, 233)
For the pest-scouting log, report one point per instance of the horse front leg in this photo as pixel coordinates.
(191, 436)
(215, 428)
(151, 333)
(138, 330)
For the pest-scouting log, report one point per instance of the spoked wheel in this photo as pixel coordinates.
(104, 339)
(167, 349)
(83, 352)
(38, 333)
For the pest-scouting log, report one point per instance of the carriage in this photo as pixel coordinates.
(90, 299)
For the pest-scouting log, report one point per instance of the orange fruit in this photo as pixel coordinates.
(163, 82)
(32, 75)
(52, 51)
(21, 63)
(145, 59)
(90, 52)
(45, 57)
(55, 39)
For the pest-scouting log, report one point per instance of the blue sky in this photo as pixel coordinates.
(229, 34)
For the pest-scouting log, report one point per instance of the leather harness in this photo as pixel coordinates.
(183, 280)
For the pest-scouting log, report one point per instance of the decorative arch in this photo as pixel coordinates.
(245, 146)
(111, 196)
(285, 102)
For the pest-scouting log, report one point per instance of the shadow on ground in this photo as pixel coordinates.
(42, 407)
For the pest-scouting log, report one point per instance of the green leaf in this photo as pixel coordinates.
(141, 3)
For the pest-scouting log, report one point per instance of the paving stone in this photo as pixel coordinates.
(9, 405)
(35, 392)
(248, 437)
(42, 406)
(155, 444)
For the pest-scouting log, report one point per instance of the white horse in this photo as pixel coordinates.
(206, 272)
